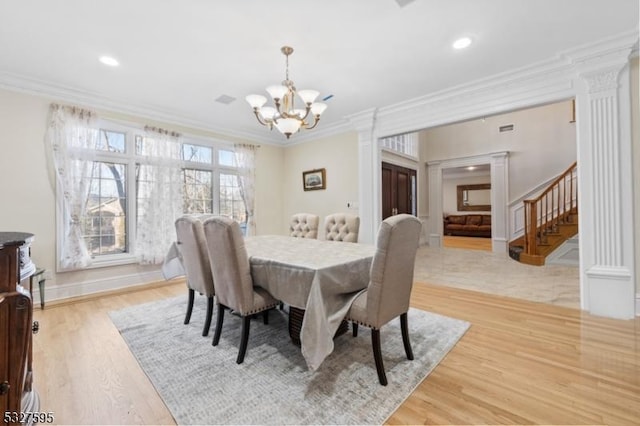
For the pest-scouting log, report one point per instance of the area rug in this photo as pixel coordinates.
(202, 384)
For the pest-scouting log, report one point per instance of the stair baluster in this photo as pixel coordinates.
(544, 214)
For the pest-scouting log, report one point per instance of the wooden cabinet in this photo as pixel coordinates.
(16, 326)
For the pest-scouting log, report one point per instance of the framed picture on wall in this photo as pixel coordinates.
(314, 179)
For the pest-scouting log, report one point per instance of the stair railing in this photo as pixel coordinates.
(554, 206)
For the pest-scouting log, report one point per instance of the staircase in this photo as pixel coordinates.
(549, 220)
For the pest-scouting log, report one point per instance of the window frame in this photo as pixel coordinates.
(130, 159)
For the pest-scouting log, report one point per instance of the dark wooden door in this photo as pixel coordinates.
(399, 186)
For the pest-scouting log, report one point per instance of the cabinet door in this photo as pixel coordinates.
(16, 312)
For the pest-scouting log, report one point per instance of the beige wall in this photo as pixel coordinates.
(635, 137)
(27, 197)
(339, 156)
(542, 144)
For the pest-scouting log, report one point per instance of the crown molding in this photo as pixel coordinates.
(94, 100)
(542, 82)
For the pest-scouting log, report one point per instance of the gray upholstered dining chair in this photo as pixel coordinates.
(341, 227)
(389, 289)
(232, 278)
(192, 247)
(304, 225)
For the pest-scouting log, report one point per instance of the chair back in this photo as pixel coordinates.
(391, 277)
(229, 263)
(192, 247)
(341, 227)
(304, 225)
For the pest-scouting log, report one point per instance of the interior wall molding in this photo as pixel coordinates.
(93, 100)
(604, 288)
(499, 162)
(539, 83)
(369, 157)
(81, 288)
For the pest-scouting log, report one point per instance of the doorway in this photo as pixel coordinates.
(399, 189)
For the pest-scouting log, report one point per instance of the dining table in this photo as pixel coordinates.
(320, 277)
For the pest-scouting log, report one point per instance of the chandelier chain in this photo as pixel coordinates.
(287, 68)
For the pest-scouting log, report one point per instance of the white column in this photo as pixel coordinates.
(500, 202)
(605, 190)
(435, 226)
(368, 176)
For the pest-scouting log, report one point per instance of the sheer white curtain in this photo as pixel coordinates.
(159, 201)
(245, 157)
(71, 139)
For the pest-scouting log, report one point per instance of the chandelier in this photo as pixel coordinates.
(285, 116)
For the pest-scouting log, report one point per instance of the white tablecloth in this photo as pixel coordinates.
(322, 277)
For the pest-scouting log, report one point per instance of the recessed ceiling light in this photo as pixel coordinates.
(471, 168)
(462, 43)
(108, 60)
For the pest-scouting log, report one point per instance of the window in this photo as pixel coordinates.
(198, 191)
(230, 199)
(105, 215)
(406, 144)
(197, 154)
(226, 158)
(117, 175)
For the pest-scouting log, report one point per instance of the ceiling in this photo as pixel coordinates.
(177, 57)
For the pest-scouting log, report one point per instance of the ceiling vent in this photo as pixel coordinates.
(225, 99)
(507, 128)
(403, 3)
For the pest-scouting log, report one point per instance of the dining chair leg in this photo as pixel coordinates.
(377, 356)
(405, 336)
(219, 320)
(246, 323)
(354, 327)
(207, 322)
(187, 318)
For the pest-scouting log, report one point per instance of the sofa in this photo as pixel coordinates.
(468, 225)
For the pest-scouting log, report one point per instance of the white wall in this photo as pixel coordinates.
(28, 204)
(542, 144)
(339, 156)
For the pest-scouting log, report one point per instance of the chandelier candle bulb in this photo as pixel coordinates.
(285, 116)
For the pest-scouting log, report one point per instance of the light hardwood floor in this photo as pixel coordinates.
(521, 362)
(470, 243)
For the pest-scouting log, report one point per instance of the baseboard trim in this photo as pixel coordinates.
(610, 292)
(72, 292)
(638, 304)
